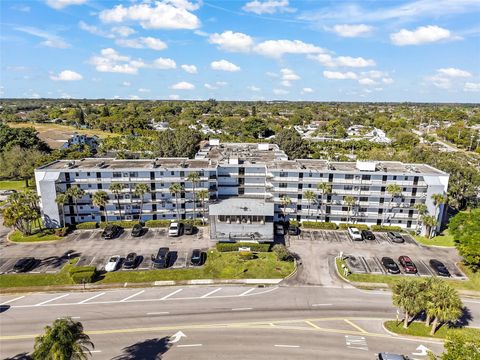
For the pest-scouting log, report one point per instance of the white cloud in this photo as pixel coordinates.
(224, 65)
(307, 90)
(51, 40)
(92, 29)
(277, 48)
(280, 91)
(131, 43)
(142, 42)
(166, 14)
(215, 86)
(342, 61)
(387, 80)
(232, 41)
(182, 85)
(351, 31)
(110, 60)
(268, 7)
(367, 81)
(126, 83)
(153, 43)
(421, 35)
(22, 8)
(60, 4)
(287, 76)
(134, 97)
(336, 75)
(253, 88)
(191, 69)
(471, 87)
(174, 97)
(123, 30)
(164, 64)
(143, 90)
(453, 72)
(440, 82)
(67, 75)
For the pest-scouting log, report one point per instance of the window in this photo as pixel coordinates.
(88, 174)
(366, 177)
(395, 177)
(172, 173)
(404, 189)
(283, 174)
(362, 210)
(134, 174)
(406, 178)
(348, 187)
(117, 174)
(125, 174)
(349, 177)
(344, 208)
(364, 198)
(282, 185)
(77, 174)
(364, 188)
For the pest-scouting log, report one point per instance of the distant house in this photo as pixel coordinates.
(77, 139)
(378, 136)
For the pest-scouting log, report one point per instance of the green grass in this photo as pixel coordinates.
(13, 185)
(444, 239)
(419, 329)
(44, 235)
(218, 266)
(28, 280)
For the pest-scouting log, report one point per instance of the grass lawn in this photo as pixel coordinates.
(45, 128)
(22, 280)
(445, 239)
(13, 185)
(419, 329)
(218, 266)
(44, 235)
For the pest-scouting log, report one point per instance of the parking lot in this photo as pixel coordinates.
(92, 249)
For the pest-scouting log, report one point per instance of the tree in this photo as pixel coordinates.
(405, 295)
(290, 141)
(61, 199)
(465, 228)
(310, 197)
(444, 304)
(349, 201)
(438, 200)
(75, 193)
(394, 190)
(422, 210)
(64, 340)
(460, 345)
(194, 178)
(100, 199)
(116, 189)
(203, 195)
(176, 190)
(19, 163)
(430, 222)
(140, 190)
(325, 189)
(22, 211)
(285, 201)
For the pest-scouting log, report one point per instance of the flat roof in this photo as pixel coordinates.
(241, 206)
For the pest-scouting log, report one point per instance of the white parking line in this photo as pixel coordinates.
(189, 345)
(321, 304)
(91, 261)
(12, 300)
(131, 296)
(247, 292)
(47, 301)
(171, 294)
(287, 346)
(210, 293)
(241, 309)
(158, 313)
(91, 298)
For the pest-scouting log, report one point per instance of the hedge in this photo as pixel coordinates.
(320, 225)
(227, 247)
(358, 226)
(83, 274)
(157, 223)
(124, 224)
(87, 225)
(62, 232)
(386, 228)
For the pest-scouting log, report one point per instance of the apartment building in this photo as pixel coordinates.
(250, 186)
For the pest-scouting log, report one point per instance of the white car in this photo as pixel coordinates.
(174, 229)
(354, 234)
(112, 263)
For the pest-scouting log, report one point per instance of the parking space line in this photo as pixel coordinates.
(188, 345)
(91, 262)
(210, 293)
(321, 305)
(247, 292)
(47, 301)
(12, 300)
(355, 326)
(241, 309)
(131, 296)
(158, 313)
(91, 298)
(171, 294)
(287, 346)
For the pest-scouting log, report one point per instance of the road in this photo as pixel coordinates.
(219, 322)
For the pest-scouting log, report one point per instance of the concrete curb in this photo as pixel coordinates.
(427, 338)
(293, 273)
(219, 281)
(32, 242)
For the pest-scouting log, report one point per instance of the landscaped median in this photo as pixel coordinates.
(419, 329)
(42, 235)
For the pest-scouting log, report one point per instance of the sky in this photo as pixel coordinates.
(418, 50)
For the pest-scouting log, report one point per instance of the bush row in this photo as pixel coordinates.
(360, 227)
(83, 274)
(87, 225)
(227, 247)
(320, 225)
(386, 228)
(124, 224)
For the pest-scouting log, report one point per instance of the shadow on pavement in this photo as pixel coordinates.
(464, 319)
(22, 356)
(151, 349)
(4, 308)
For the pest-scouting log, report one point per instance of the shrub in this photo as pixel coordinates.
(386, 228)
(62, 231)
(283, 254)
(319, 225)
(157, 223)
(294, 223)
(87, 225)
(124, 224)
(196, 222)
(227, 247)
(358, 226)
(82, 274)
(245, 255)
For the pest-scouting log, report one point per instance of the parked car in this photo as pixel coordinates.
(175, 229)
(112, 263)
(130, 261)
(367, 235)
(354, 233)
(188, 229)
(160, 261)
(279, 229)
(390, 265)
(390, 356)
(293, 230)
(111, 231)
(196, 258)
(407, 264)
(137, 230)
(24, 264)
(439, 268)
(395, 237)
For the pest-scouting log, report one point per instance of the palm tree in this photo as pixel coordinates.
(61, 199)
(75, 193)
(64, 340)
(394, 190)
(100, 199)
(285, 201)
(203, 195)
(429, 221)
(116, 189)
(439, 199)
(405, 295)
(176, 190)
(444, 305)
(324, 188)
(350, 202)
(141, 190)
(194, 178)
(309, 196)
(422, 210)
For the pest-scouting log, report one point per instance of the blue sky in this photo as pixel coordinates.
(420, 50)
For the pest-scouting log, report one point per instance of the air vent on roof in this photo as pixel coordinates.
(70, 164)
(101, 165)
(156, 163)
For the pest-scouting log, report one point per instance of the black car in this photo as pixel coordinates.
(390, 265)
(395, 237)
(130, 261)
(293, 230)
(367, 235)
(196, 258)
(137, 230)
(111, 231)
(160, 261)
(24, 264)
(439, 267)
(188, 229)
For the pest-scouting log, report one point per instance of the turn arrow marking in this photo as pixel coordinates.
(423, 350)
(176, 337)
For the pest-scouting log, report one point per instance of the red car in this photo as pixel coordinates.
(407, 265)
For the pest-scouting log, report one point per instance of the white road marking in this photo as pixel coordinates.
(240, 309)
(91, 298)
(91, 261)
(287, 346)
(356, 342)
(472, 301)
(322, 304)
(188, 345)
(12, 300)
(47, 301)
(131, 296)
(158, 313)
(71, 317)
(171, 294)
(210, 293)
(247, 292)
(95, 351)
